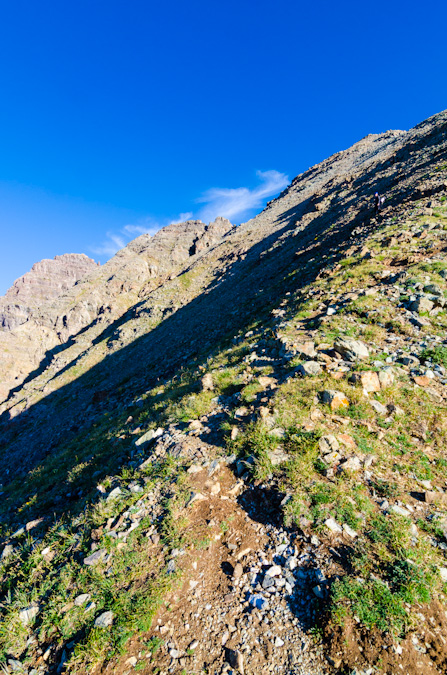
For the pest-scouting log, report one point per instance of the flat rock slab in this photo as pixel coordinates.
(96, 557)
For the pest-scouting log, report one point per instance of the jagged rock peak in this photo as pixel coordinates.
(178, 239)
(48, 278)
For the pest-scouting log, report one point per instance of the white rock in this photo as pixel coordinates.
(379, 407)
(7, 551)
(104, 620)
(399, 510)
(333, 526)
(349, 531)
(443, 573)
(278, 642)
(82, 599)
(274, 571)
(132, 661)
(28, 614)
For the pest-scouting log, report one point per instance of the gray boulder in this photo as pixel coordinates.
(350, 349)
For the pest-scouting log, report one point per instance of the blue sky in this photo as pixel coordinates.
(119, 117)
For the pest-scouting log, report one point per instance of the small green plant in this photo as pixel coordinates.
(436, 355)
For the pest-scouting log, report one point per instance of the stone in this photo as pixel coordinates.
(267, 382)
(96, 557)
(434, 289)
(369, 381)
(241, 412)
(104, 620)
(236, 660)
(308, 369)
(195, 497)
(258, 601)
(333, 526)
(347, 441)
(443, 573)
(234, 433)
(352, 464)
(238, 571)
(278, 642)
(274, 571)
(7, 551)
(82, 599)
(331, 458)
(328, 444)
(268, 582)
(28, 614)
(421, 380)
(379, 407)
(352, 534)
(421, 304)
(194, 644)
(278, 456)
(33, 523)
(148, 437)
(409, 360)
(131, 661)
(207, 382)
(114, 494)
(400, 510)
(215, 489)
(335, 399)
(306, 349)
(433, 497)
(318, 592)
(352, 350)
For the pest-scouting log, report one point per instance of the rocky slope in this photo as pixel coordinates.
(59, 298)
(245, 472)
(22, 307)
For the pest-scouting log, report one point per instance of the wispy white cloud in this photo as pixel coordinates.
(112, 243)
(237, 203)
(115, 241)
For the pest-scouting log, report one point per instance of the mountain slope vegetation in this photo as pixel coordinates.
(245, 471)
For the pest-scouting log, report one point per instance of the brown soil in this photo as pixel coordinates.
(422, 652)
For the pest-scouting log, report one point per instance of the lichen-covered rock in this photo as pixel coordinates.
(337, 400)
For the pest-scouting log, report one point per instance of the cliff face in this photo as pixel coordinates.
(47, 280)
(58, 298)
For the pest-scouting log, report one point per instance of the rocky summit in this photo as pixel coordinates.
(59, 298)
(228, 453)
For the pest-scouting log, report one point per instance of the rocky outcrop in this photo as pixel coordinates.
(46, 280)
(59, 298)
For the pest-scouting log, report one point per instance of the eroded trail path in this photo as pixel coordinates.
(247, 596)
